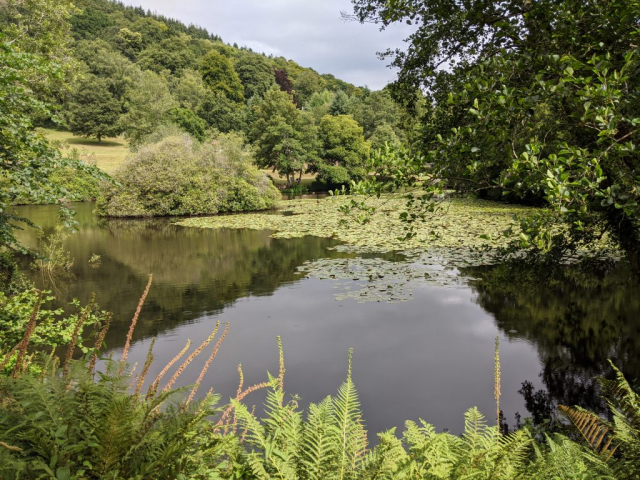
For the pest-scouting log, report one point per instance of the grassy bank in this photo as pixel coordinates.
(107, 155)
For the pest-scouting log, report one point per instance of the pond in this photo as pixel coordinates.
(430, 357)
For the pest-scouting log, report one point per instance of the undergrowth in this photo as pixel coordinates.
(96, 418)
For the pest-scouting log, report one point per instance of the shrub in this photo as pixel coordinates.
(73, 181)
(180, 176)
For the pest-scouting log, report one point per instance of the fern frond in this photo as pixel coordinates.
(348, 419)
(562, 458)
(595, 431)
(273, 460)
(283, 424)
(389, 459)
(622, 399)
(318, 449)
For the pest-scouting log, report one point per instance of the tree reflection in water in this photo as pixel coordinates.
(577, 317)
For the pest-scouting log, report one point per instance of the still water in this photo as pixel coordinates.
(430, 357)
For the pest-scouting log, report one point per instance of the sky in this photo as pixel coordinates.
(310, 32)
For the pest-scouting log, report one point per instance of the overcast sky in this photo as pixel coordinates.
(310, 32)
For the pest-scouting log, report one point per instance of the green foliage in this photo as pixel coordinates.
(219, 75)
(319, 103)
(179, 176)
(72, 181)
(40, 29)
(221, 113)
(27, 160)
(129, 43)
(376, 109)
(339, 104)
(92, 110)
(189, 89)
(307, 83)
(54, 328)
(285, 137)
(75, 426)
(622, 435)
(148, 106)
(189, 122)
(344, 151)
(560, 131)
(255, 73)
(384, 135)
(100, 59)
(172, 54)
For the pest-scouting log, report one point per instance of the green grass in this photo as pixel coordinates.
(108, 155)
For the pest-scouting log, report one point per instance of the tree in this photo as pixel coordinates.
(40, 28)
(307, 83)
(282, 79)
(255, 73)
(384, 134)
(148, 106)
(218, 74)
(173, 54)
(92, 110)
(189, 122)
(189, 89)
(344, 151)
(319, 103)
(27, 161)
(222, 113)
(103, 61)
(375, 109)
(285, 137)
(540, 102)
(129, 43)
(339, 104)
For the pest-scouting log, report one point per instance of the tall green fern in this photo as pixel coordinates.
(352, 436)
(617, 442)
(75, 427)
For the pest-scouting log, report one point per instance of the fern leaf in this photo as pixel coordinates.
(318, 448)
(595, 431)
(348, 419)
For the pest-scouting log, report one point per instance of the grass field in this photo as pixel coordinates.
(107, 155)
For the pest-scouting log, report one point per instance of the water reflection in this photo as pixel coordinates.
(196, 272)
(431, 357)
(576, 317)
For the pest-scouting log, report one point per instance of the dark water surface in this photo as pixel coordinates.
(430, 357)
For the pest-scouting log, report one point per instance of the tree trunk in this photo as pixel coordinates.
(627, 233)
(99, 138)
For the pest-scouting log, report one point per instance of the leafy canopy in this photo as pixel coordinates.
(539, 102)
(285, 137)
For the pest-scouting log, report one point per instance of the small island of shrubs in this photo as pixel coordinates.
(178, 175)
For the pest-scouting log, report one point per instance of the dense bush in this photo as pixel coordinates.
(179, 176)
